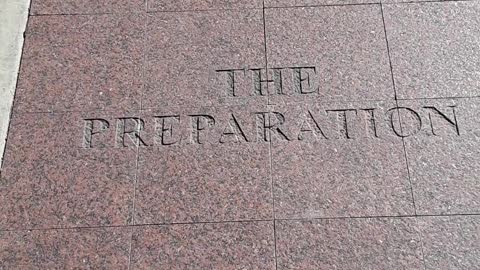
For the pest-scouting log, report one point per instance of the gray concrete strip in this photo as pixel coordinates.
(13, 19)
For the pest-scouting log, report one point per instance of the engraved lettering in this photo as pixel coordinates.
(90, 130)
(266, 126)
(200, 123)
(277, 81)
(234, 131)
(453, 122)
(331, 124)
(370, 123)
(164, 129)
(343, 121)
(304, 80)
(259, 83)
(402, 133)
(231, 81)
(310, 126)
(133, 132)
(298, 80)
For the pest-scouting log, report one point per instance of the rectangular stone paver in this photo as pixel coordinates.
(81, 63)
(245, 245)
(203, 165)
(182, 5)
(338, 160)
(190, 56)
(336, 53)
(435, 48)
(69, 170)
(301, 3)
(102, 248)
(66, 187)
(42, 7)
(451, 242)
(442, 140)
(375, 244)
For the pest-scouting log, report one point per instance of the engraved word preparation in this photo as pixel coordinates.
(223, 126)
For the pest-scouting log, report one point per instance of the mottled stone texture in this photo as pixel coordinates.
(451, 242)
(204, 176)
(185, 50)
(51, 178)
(65, 187)
(358, 244)
(81, 63)
(41, 7)
(345, 44)
(103, 248)
(442, 146)
(409, 1)
(301, 3)
(180, 5)
(222, 134)
(434, 48)
(198, 183)
(248, 245)
(63, 130)
(326, 166)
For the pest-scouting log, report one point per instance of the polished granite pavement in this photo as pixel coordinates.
(245, 134)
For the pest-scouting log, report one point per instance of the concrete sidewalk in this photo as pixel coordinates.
(13, 19)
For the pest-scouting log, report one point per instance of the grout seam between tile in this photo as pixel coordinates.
(398, 112)
(137, 157)
(142, 12)
(138, 225)
(270, 158)
(332, 5)
(403, 143)
(477, 215)
(422, 248)
(137, 170)
(388, 53)
(424, 2)
(233, 105)
(378, 217)
(146, 11)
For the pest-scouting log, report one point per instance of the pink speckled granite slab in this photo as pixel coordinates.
(233, 134)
